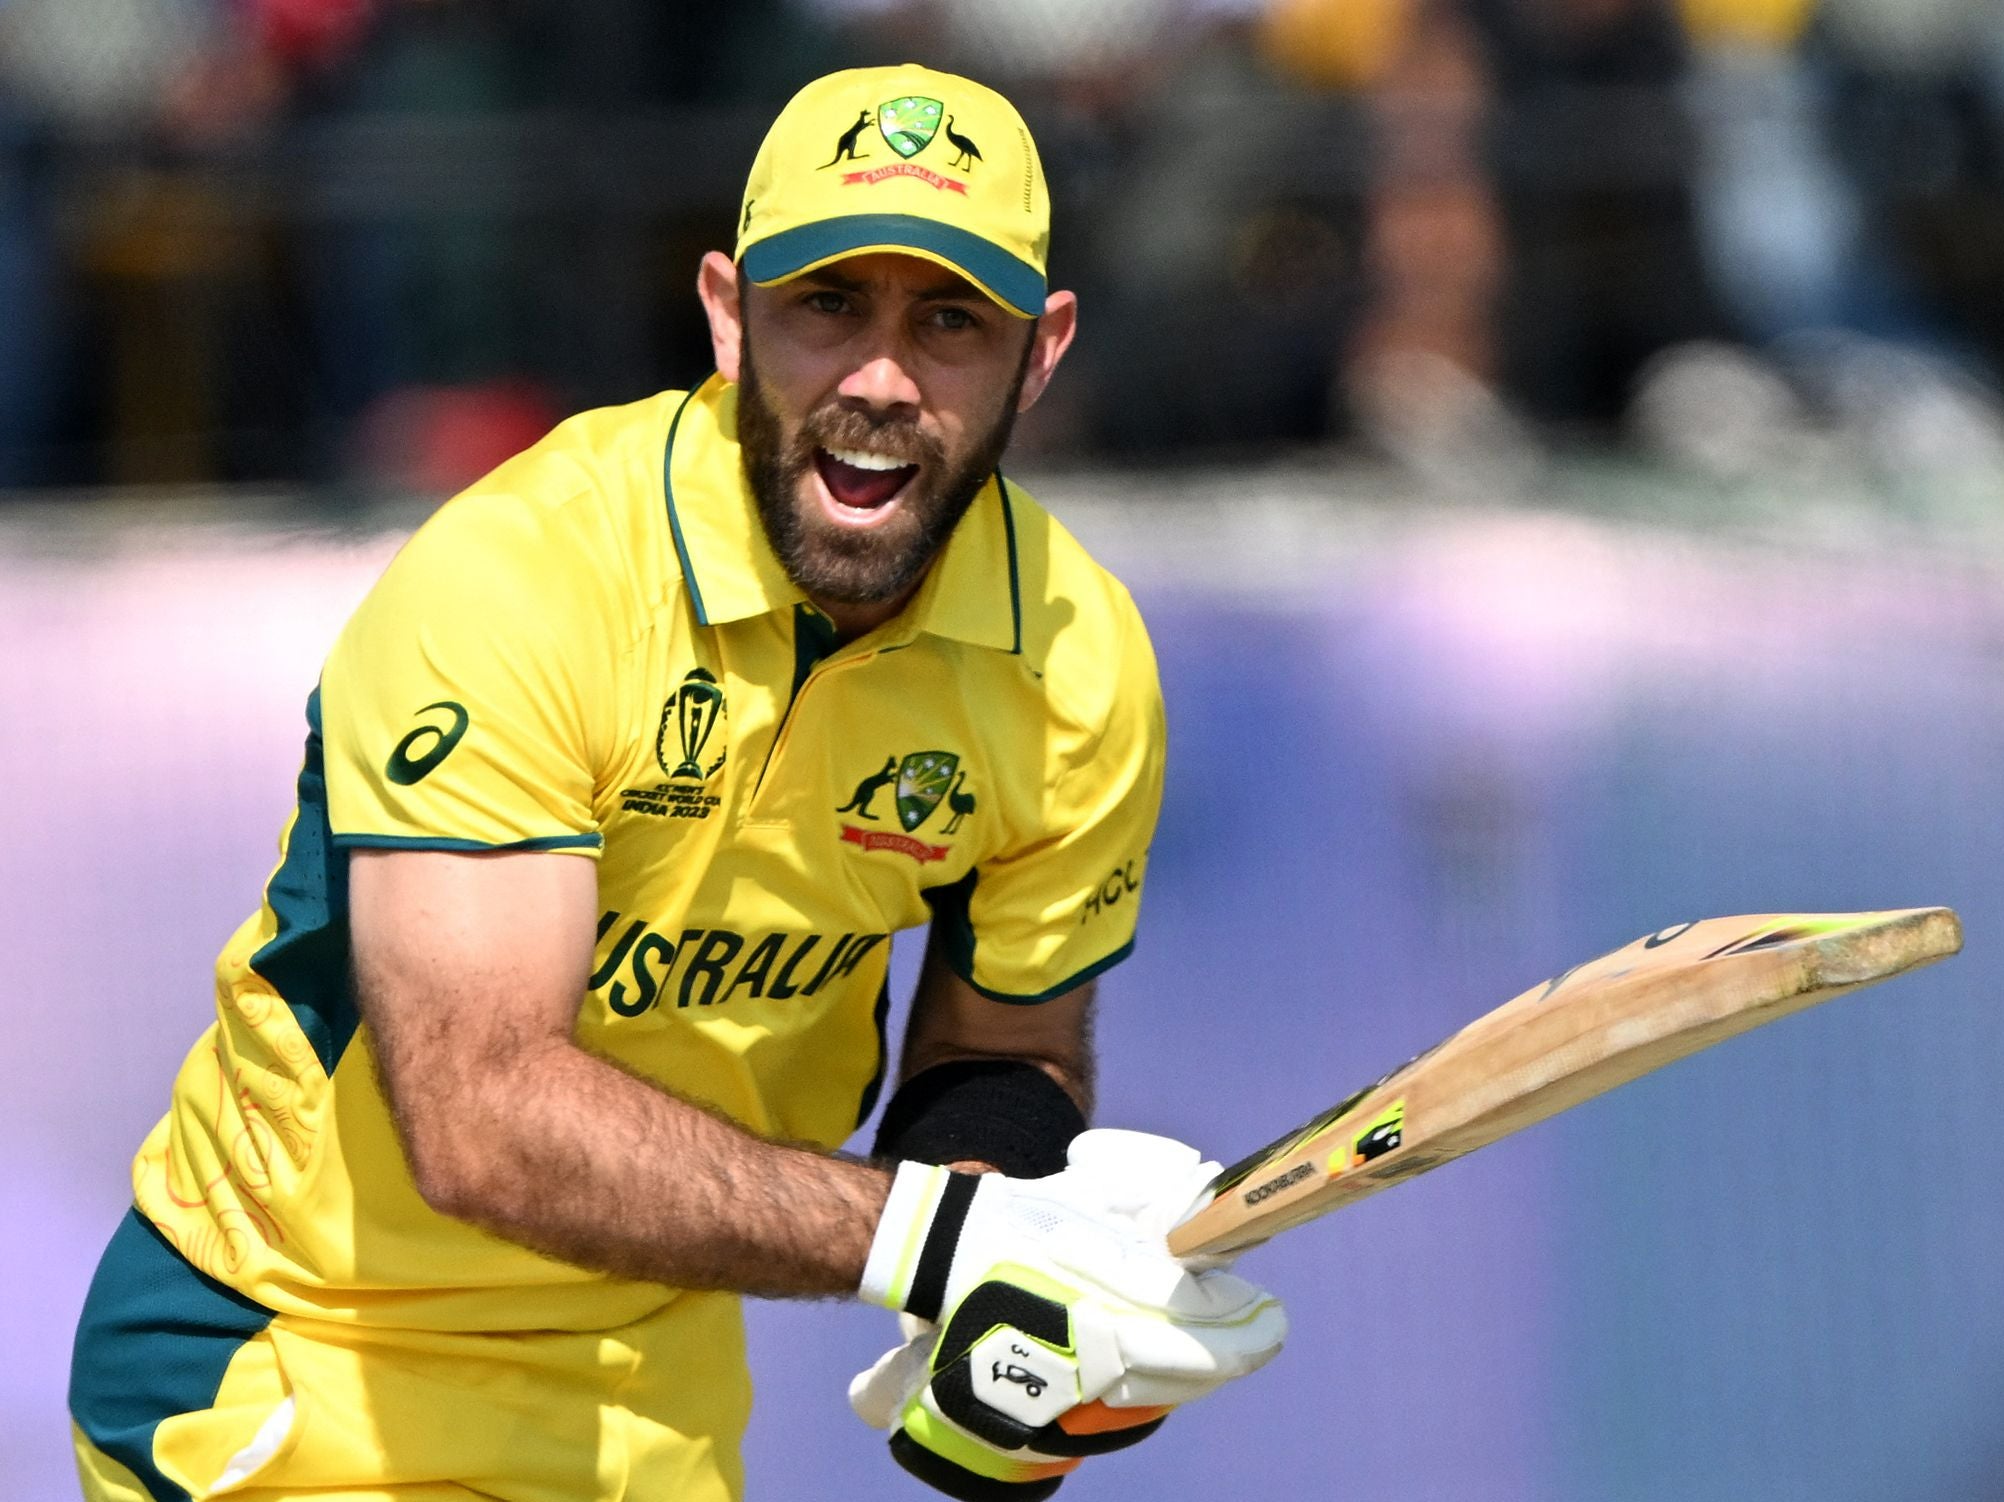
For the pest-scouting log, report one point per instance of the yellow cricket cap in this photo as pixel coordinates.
(902, 159)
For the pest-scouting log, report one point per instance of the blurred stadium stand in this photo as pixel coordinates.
(380, 243)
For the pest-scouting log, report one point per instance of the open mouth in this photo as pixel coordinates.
(860, 481)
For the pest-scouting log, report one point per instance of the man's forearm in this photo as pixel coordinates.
(953, 1023)
(567, 1153)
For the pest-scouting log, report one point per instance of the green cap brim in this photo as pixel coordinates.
(1016, 284)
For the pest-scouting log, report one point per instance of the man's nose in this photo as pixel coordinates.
(882, 383)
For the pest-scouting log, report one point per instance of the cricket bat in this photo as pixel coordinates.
(1569, 1039)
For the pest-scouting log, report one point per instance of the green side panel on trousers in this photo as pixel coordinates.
(155, 1339)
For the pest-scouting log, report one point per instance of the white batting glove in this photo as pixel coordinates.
(1065, 1327)
(1156, 1183)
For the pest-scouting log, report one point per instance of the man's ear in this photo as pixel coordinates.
(1048, 343)
(717, 286)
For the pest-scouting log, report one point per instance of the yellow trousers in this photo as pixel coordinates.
(181, 1389)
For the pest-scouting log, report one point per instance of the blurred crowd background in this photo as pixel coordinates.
(379, 244)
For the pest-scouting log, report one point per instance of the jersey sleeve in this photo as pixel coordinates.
(455, 705)
(1056, 911)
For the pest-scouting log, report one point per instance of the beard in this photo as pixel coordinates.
(835, 563)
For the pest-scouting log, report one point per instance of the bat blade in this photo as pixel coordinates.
(1596, 1026)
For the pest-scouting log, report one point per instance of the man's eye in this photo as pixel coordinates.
(826, 302)
(955, 318)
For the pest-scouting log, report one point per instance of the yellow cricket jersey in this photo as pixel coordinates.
(594, 651)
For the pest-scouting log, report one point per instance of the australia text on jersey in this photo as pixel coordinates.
(646, 967)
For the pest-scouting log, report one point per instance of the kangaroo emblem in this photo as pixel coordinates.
(868, 788)
(961, 803)
(846, 147)
(969, 152)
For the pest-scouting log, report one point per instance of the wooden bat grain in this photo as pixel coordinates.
(1599, 1025)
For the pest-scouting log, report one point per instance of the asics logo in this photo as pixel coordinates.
(414, 757)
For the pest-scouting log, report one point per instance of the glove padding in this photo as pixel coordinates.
(1155, 1183)
(1067, 1329)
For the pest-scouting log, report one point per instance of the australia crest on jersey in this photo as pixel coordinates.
(923, 778)
(917, 784)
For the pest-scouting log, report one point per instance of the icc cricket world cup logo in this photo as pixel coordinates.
(693, 713)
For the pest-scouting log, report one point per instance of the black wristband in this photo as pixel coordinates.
(998, 1111)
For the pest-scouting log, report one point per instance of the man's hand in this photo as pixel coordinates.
(1065, 1328)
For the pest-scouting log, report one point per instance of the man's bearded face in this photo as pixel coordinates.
(856, 503)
